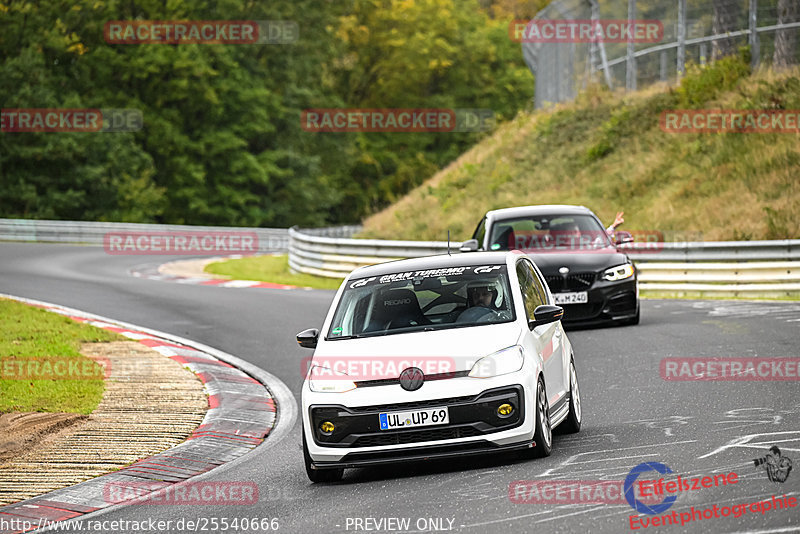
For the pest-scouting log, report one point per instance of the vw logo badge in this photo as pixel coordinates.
(564, 270)
(411, 379)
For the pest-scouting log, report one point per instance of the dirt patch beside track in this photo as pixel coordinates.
(22, 431)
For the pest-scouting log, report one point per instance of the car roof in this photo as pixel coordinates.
(434, 262)
(548, 209)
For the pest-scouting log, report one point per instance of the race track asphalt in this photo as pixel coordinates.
(631, 415)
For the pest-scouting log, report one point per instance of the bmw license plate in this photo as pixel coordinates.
(427, 417)
(579, 297)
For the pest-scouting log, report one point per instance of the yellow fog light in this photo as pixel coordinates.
(326, 428)
(504, 410)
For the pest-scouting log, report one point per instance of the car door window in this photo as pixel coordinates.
(527, 285)
(537, 282)
(480, 232)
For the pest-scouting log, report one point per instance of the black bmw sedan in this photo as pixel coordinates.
(589, 276)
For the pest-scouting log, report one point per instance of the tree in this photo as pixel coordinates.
(726, 15)
(786, 39)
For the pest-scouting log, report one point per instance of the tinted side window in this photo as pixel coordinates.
(537, 282)
(480, 232)
(527, 286)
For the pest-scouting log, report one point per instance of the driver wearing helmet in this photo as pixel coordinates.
(481, 302)
(481, 298)
(481, 293)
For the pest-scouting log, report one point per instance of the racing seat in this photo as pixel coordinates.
(396, 308)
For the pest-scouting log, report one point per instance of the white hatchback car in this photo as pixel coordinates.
(437, 357)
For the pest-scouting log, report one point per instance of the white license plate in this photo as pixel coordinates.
(427, 417)
(571, 298)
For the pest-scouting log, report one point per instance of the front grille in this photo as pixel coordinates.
(571, 282)
(415, 436)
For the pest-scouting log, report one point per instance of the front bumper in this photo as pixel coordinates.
(473, 428)
(607, 302)
(430, 452)
(469, 416)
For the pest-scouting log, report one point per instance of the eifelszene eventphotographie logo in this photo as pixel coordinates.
(775, 464)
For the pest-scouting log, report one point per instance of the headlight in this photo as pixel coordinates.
(620, 272)
(324, 380)
(500, 363)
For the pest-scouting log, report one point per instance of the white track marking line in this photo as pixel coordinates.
(745, 443)
(573, 513)
(570, 461)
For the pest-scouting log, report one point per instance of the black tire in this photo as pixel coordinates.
(319, 475)
(572, 423)
(543, 435)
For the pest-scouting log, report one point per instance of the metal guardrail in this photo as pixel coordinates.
(719, 267)
(336, 257)
(691, 251)
(92, 233)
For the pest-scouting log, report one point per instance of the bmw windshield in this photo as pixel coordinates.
(432, 299)
(549, 232)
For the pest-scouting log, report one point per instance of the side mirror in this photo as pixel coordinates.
(470, 245)
(622, 237)
(545, 314)
(308, 338)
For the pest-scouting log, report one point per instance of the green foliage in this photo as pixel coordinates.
(607, 151)
(778, 222)
(703, 83)
(222, 141)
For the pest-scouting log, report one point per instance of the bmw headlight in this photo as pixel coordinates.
(324, 380)
(501, 362)
(620, 272)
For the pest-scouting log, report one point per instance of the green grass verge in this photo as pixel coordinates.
(30, 333)
(274, 269)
